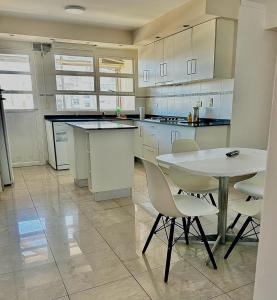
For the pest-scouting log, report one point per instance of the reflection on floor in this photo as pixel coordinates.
(56, 242)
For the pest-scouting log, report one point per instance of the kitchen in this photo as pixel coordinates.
(86, 104)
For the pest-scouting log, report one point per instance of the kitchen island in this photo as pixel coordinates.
(101, 156)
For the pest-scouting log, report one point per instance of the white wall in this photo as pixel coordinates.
(266, 272)
(254, 73)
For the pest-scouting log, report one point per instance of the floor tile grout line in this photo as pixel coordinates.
(252, 282)
(121, 261)
(99, 285)
(48, 243)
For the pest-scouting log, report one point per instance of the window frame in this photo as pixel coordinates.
(32, 73)
(117, 75)
(75, 73)
(96, 74)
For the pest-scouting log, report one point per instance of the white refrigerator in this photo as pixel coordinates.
(6, 172)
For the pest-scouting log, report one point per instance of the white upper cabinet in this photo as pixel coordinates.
(182, 56)
(203, 52)
(164, 60)
(159, 61)
(146, 66)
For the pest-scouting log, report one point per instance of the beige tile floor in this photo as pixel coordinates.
(56, 242)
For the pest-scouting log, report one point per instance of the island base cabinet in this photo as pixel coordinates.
(111, 166)
(78, 154)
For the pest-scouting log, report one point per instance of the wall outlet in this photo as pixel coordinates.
(199, 103)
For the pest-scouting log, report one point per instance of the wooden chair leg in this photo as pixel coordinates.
(169, 250)
(204, 239)
(237, 238)
(151, 233)
(185, 230)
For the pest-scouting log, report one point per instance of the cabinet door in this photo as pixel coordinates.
(183, 133)
(142, 69)
(138, 139)
(150, 154)
(165, 136)
(182, 56)
(168, 64)
(150, 136)
(150, 65)
(159, 61)
(203, 51)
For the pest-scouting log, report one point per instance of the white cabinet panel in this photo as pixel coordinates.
(203, 51)
(182, 56)
(146, 66)
(159, 61)
(150, 154)
(150, 136)
(168, 63)
(138, 139)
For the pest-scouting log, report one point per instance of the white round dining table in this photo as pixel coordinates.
(214, 162)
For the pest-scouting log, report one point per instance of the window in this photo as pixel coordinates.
(77, 87)
(16, 80)
(74, 63)
(116, 65)
(76, 102)
(109, 103)
(116, 84)
(75, 83)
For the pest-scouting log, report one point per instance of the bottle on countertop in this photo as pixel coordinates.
(189, 118)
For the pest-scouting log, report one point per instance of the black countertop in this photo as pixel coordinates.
(149, 119)
(100, 125)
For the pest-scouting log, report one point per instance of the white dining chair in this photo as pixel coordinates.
(187, 182)
(171, 207)
(253, 188)
(251, 209)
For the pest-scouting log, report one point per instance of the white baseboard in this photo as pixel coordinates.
(28, 164)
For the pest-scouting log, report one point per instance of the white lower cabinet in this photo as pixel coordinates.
(153, 139)
(138, 149)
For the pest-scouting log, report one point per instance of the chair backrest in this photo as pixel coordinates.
(159, 191)
(184, 145)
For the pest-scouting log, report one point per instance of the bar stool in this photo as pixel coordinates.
(187, 182)
(251, 209)
(171, 207)
(253, 187)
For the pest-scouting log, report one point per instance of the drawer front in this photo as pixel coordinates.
(150, 136)
(150, 154)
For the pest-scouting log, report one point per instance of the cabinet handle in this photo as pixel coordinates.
(189, 67)
(171, 137)
(193, 69)
(165, 69)
(161, 70)
(140, 131)
(145, 75)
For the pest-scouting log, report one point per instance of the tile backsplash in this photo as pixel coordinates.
(178, 100)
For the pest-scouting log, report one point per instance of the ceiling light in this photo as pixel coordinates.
(158, 37)
(74, 9)
(186, 25)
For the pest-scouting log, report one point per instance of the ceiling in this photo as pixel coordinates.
(123, 14)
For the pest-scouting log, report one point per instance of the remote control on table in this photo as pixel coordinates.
(233, 153)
